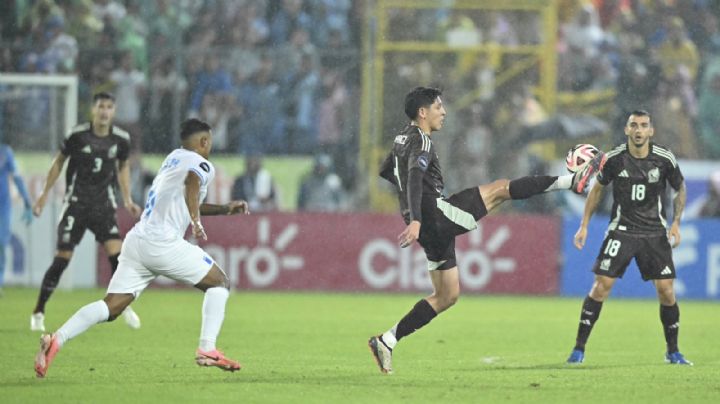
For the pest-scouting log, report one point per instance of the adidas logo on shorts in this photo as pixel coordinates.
(666, 271)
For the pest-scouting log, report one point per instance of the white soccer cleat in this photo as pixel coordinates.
(381, 353)
(37, 322)
(131, 318)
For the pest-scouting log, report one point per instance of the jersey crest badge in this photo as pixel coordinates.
(422, 162)
(605, 264)
(87, 149)
(654, 175)
(205, 166)
(112, 152)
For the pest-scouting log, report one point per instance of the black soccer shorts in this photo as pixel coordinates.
(652, 254)
(447, 219)
(78, 217)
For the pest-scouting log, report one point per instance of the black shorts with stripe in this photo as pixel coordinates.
(443, 220)
(652, 254)
(78, 217)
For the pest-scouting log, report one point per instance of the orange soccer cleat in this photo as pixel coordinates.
(49, 347)
(217, 359)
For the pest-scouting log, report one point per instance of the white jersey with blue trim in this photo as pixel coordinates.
(166, 215)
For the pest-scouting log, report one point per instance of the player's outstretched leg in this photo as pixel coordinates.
(49, 283)
(582, 178)
(89, 315)
(446, 286)
(131, 318)
(215, 284)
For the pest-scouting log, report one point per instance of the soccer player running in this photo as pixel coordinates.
(638, 170)
(155, 246)
(9, 169)
(433, 220)
(97, 152)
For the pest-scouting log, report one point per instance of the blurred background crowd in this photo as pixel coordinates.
(283, 77)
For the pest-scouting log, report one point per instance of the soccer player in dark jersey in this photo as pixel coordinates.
(433, 220)
(97, 152)
(638, 171)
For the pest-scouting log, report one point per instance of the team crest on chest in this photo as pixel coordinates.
(654, 175)
(112, 152)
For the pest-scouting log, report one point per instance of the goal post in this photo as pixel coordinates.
(38, 110)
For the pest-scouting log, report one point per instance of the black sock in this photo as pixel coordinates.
(50, 282)
(588, 316)
(670, 317)
(525, 187)
(113, 263)
(421, 314)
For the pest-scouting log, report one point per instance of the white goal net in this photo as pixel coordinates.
(36, 111)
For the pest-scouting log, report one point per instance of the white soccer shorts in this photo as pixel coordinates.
(142, 260)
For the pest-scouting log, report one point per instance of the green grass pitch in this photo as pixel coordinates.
(312, 348)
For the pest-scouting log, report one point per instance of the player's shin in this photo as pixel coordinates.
(113, 263)
(213, 314)
(86, 317)
(421, 314)
(50, 282)
(526, 187)
(588, 316)
(670, 317)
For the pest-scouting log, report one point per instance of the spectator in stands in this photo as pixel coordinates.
(677, 50)
(711, 207)
(263, 129)
(709, 117)
(321, 190)
(302, 86)
(61, 53)
(130, 86)
(676, 110)
(82, 23)
(166, 86)
(110, 11)
(290, 17)
(331, 112)
(256, 186)
(212, 79)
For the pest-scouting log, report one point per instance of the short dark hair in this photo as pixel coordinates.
(641, 112)
(192, 126)
(103, 95)
(420, 97)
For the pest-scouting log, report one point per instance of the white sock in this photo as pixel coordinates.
(389, 337)
(562, 182)
(86, 317)
(213, 313)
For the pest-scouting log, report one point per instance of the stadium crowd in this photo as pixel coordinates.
(280, 76)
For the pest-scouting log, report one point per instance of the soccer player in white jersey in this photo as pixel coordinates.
(155, 246)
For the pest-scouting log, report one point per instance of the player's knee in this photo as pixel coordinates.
(449, 299)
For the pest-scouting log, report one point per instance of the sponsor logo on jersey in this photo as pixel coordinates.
(623, 174)
(87, 149)
(422, 161)
(401, 139)
(112, 152)
(605, 264)
(654, 175)
(666, 271)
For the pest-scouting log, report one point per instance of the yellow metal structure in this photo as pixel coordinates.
(378, 47)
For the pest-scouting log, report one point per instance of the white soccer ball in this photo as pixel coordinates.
(579, 156)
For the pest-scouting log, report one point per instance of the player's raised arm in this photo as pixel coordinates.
(192, 201)
(124, 182)
(52, 176)
(591, 204)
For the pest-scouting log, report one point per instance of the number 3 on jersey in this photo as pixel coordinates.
(98, 165)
